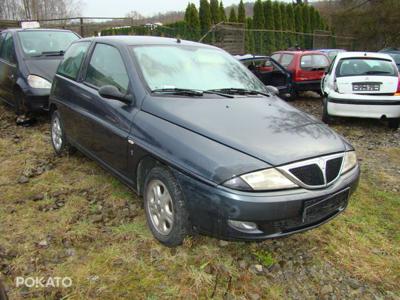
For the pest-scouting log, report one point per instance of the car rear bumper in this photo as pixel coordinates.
(363, 106)
(276, 214)
(310, 85)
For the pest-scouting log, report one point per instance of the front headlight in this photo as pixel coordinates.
(38, 82)
(349, 161)
(270, 179)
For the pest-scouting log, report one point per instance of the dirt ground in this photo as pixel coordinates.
(66, 217)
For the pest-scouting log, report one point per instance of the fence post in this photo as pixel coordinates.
(81, 27)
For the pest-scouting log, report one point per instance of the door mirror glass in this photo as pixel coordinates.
(273, 90)
(111, 92)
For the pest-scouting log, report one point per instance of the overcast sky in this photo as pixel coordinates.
(119, 8)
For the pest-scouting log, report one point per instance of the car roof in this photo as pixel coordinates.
(327, 50)
(363, 54)
(35, 29)
(299, 52)
(250, 57)
(144, 40)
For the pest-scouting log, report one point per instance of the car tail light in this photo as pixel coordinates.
(335, 86)
(398, 88)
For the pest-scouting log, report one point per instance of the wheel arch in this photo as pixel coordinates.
(144, 166)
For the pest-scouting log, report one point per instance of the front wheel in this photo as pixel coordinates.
(165, 207)
(58, 136)
(394, 123)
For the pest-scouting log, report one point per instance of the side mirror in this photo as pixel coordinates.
(273, 90)
(111, 92)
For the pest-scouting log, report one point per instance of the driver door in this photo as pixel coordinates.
(106, 123)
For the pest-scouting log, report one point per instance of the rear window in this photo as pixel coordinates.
(314, 62)
(286, 59)
(365, 66)
(396, 57)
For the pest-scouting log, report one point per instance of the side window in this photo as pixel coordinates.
(7, 49)
(286, 59)
(106, 67)
(73, 59)
(276, 56)
(2, 37)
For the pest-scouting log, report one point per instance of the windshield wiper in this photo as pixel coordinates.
(52, 53)
(239, 91)
(178, 91)
(376, 72)
(189, 92)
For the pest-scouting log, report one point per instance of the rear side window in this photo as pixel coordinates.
(314, 61)
(73, 59)
(106, 67)
(286, 59)
(365, 66)
(7, 50)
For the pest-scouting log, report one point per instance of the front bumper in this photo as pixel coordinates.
(276, 214)
(36, 100)
(363, 106)
(309, 85)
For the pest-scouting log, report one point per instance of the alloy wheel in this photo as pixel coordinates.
(56, 134)
(160, 207)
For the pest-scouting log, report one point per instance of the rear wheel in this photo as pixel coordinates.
(165, 207)
(58, 136)
(394, 123)
(293, 96)
(325, 115)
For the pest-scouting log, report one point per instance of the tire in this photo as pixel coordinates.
(325, 115)
(165, 207)
(394, 123)
(293, 96)
(19, 102)
(58, 136)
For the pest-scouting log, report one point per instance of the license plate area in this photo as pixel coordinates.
(366, 86)
(315, 210)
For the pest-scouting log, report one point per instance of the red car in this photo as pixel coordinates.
(307, 69)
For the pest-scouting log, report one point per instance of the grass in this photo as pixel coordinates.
(118, 257)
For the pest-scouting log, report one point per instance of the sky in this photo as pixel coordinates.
(119, 8)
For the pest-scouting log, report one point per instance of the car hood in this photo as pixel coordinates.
(44, 67)
(266, 128)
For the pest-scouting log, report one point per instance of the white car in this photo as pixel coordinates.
(362, 85)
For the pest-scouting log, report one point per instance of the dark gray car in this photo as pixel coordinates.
(200, 137)
(29, 59)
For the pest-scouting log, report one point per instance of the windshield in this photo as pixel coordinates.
(194, 68)
(365, 66)
(36, 43)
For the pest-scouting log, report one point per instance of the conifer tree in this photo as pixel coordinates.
(298, 18)
(269, 24)
(291, 24)
(222, 14)
(232, 16)
(250, 43)
(214, 8)
(285, 36)
(276, 9)
(205, 16)
(307, 26)
(241, 13)
(192, 23)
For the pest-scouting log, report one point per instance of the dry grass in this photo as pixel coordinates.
(116, 257)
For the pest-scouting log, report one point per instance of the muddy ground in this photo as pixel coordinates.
(65, 216)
